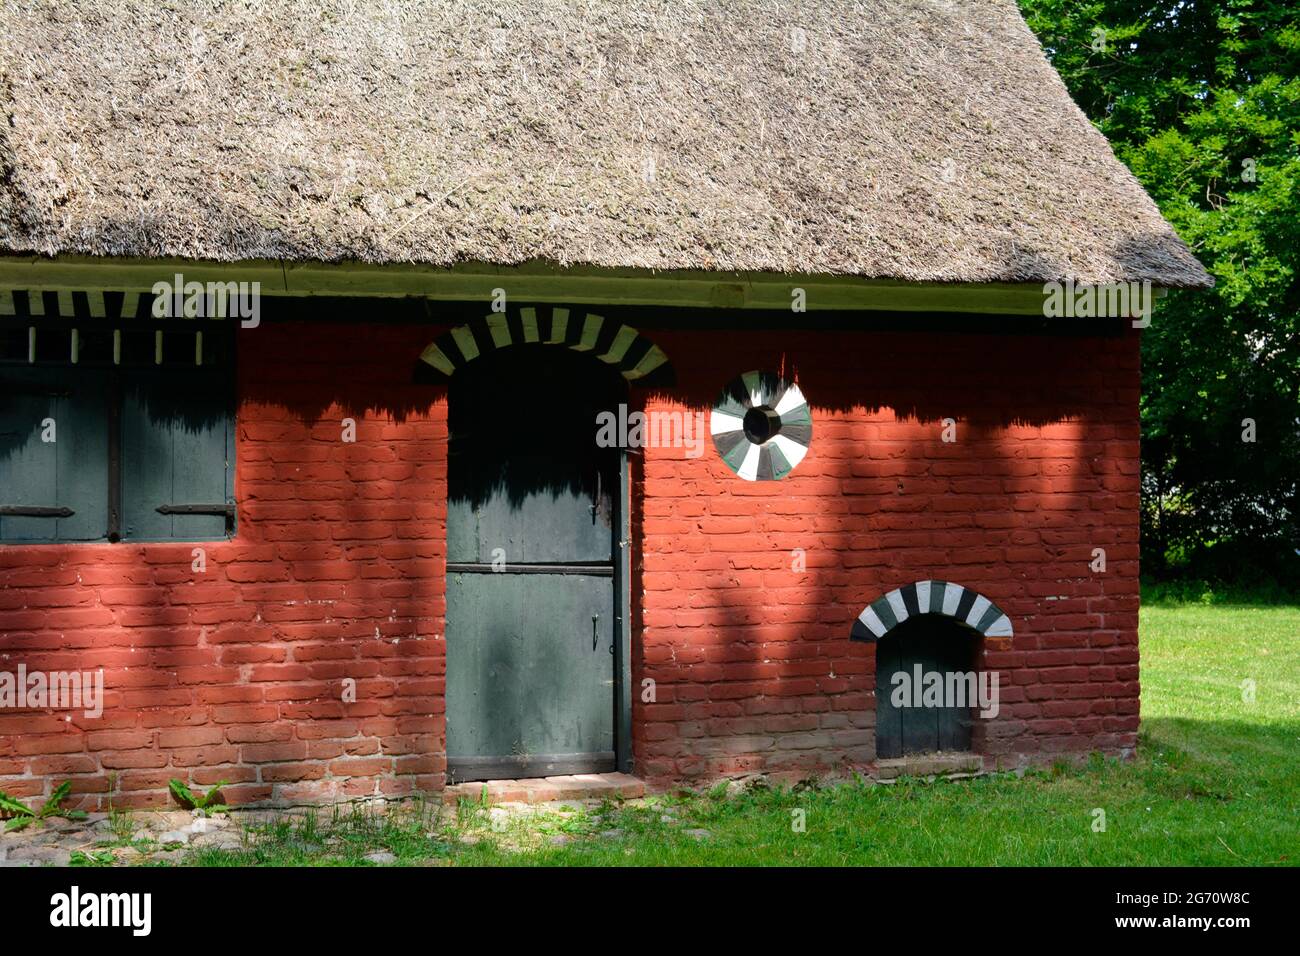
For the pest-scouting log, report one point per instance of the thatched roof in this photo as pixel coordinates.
(908, 139)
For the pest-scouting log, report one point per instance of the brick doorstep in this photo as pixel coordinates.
(925, 765)
(581, 786)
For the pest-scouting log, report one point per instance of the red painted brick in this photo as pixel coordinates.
(340, 551)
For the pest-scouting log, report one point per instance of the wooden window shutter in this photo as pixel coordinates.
(177, 459)
(53, 490)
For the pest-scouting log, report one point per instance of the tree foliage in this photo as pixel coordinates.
(1201, 99)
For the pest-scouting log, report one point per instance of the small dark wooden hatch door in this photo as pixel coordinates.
(932, 643)
(530, 568)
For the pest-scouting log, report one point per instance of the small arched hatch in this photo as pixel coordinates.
(926, 635)
(930, 597)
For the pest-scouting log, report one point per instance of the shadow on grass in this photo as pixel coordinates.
(1198, 793)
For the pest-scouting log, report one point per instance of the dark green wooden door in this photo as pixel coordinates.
(921, 645)
(530, 588)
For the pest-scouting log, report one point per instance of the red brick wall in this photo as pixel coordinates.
(751, 660)
(236, 674)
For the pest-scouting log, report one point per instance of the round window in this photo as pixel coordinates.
(761, 426)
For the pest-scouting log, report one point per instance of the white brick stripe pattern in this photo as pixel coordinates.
(611, 342)
(930, 597)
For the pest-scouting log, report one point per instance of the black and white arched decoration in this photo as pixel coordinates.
(931, 597)
(761, 426)
(611, 341)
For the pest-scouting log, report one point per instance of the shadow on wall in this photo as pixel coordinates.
(523, 421)
(77, 397)
(753, 620)
(880, 501)
(1012, 371)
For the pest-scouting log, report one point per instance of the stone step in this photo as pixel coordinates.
(578, 786)
(927, 765)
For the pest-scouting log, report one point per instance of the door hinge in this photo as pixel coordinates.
(28, 511)
(225, 510)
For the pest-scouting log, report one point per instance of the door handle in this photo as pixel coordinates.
(594, 639)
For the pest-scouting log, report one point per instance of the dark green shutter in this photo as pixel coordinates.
(69, 473)
(177, 454)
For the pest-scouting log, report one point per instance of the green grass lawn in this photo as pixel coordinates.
(1216, 782)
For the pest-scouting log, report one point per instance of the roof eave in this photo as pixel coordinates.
(541, 282)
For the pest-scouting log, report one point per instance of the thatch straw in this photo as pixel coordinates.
(909, 139)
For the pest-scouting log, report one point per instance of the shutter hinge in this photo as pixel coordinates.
(26, 511)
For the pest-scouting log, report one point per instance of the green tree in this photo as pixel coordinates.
(1201, 99)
